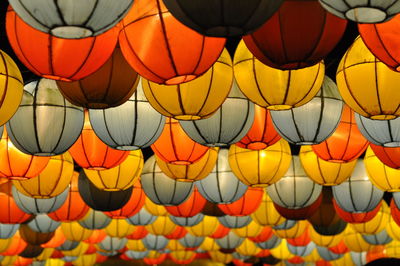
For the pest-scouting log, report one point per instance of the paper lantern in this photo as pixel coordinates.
(246, 205)
(381, 238)
(182, 256)
(57, 58)
(34, 238)
(295, 189)
(219, 257)
(271, 243)
(196, 99)
(323, 172)
(119, 228)
(161, 189)
(266, 214)
(357, 193)
(248, 248)
(251, 230)
(136, 245)
(260, 168)
(11, 213)
(67, 245)
(328, 255)
(136, 255)
(15, 247)
(313, 122)
(387, 155)
(325, 217)
(178, 233)
(298, 35)
(95, 220)
(91, 153)
(273, 88)
(205, 228)
(356, 217)
(299, 213)
(112, 243)
(191, 172)
(265, 234)
(174, 146)
(73, 231)
(378, 132)
(43, 224)
(346, 143)
(301, 250)
(354, 241)
(230, 241)
(139, 233)
(74, 208)
(362, 12)
(187, 221)
(164, 56)
(189, 208)
(221, 185)
(295, 231)
(157, 259)
(325, 240)
(154, 209)
(360, 68)
(190, 241)
(232, 222)
(376, 224)
(161, 226)
(155, 242)
(281, 251)
(143, 217)
(227, 125)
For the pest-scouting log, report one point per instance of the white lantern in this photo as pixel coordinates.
(8, 230)
(187, 221)
(95, 220)
(136, 255)
(328, 255)
(110, 244)
(301, 251)
(191, 241)
(271, 243)
(380, 132)
(381, 238)
(234, 221)
(143, 217)
(230, 241)
(153, 242)
(359, 258)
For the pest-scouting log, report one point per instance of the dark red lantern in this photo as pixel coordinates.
(299, 214)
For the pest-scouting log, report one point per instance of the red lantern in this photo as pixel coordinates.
(264, 235)
(74, 208)
(262, 133)
(158, 260)
(246, 205)
(178, 233)
(91, 153)
(139, 233)
(55, 58)
(302, 240)
(220, 232)
(163, 50)
(189, 208)
(390, 156)
(299, 34)
(10, 212)
(174, 146)
(345, 144)
(299, 214)
(361, 217)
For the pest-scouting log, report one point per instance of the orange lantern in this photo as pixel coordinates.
(174, 146)
(246, 205)
(163, 50)
(10, 212)
(220, 232)
(56, 58)
(96, 237)
(345, 144)
(91, 153)
(16, 246)
(390, 156)
(139, 233)
(190, 207)
(178, 233)
(359, 217)
(57, 240)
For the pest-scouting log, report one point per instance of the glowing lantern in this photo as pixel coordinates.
(182, 256)
(328, 255)
(119, 228)
(95, 220)
(112, 243)
(248, 248)
(139, 233)
(161, 189)
(11, 213)
(52, 181)
(227, 125)
(381, 238)
(190, 241)
(137, 245)
(154, 209)
(16, 246)
(191, 207)
(191, 172)
(251, 230)
(91, 153)
(164, 56)
(359, 68)
(232, 222)
(174, 146)
(74, 208)
(272, 242)
(273, 88)
(136, 255)
(345, 144)
(155, 242)
(265, 234)
(130, 126)
(388, 155)
(246, 205)
(362, 12)
(73, 231)
(43, 224)
(230, 241)
(161, 226)
(383, 133)
(178, 233)
(296, 231)
(260, 168)
(281, 251)
(376, 224)
(205, 228)
(325, 240)
(393, 227)
(187, 221)
(357, 194)
(219, 257)
(57, 58)
(143, 217)
(221, 185)
(57, 240)
(266, 214)
(354, 241)
(323, 172)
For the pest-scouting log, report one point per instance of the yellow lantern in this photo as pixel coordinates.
(217, 256)
(85, 260)
(377, 224)
(119, 228)
(253, 229)
(282, 251)
(175, 245)
(209, 244)
(260, 168)
(55, 262)
(196, 99)
(325, 240)
(182, 255)
(206, 227)
(266, 214)
(393, 249)
(367, 85)
(154, 209)
(312, 257)
(52, 181)
(4, 243)
(354, 240)
(323, 172)
(273, 88)
(78, 251)
(381, 175)
(248, 248)
(191, 172)
(135, 245)
(293, 232)
(393, 229)
(46, 254)
(161, 226)
(9, 260)
(73, 231)
(120, 177)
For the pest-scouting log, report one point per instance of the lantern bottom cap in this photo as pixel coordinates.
(126, 148)
(45, 154)
(259, 185)
(71, 32)
(383, 117)
(55, 77)
(366, 15)
(393, 144)
(301, 143)
(185, 180)
(258, 145)
(279, 107)
(224, 31)
(180, 79)
(187, 117)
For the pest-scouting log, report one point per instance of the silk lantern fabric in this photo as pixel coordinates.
(380, 132)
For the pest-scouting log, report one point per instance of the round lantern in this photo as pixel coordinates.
(196, 99)
(136, 255)
(73, 231)
(377, 223)
(313, 122)
(230, 241)
(119, 228)
(232, 222)
(246, 205)
(381, 238)
(112, 243)
(91, 153)
(174, 146)
(273, 242)
(221, 185)
(191, 207)
(161, 226)
(42, 110)
(52, 181)
(388, 155)
(8, 230)
(229, 124)
(286, 224)
(362, 12)
(57, 58)
(32, 237)
(205, 228)
(366, 84)
(67, 245)
(139, 233)
(295, 189)
(283, 42)
(161, 189)
(354, 241)
(154, 209)
(164, 56)
(328, 255)
(248, 248)
(301, 250)
(110, 86)
(323, 172)
(357, 193)
(251, 230)
(143, 217)
(382, 133)
(356, 217)
(260, 168)
(190, 241)
(325, 240)
(182, 256)
(95, 220)
(43, 224)
(155, 242)
(130, 126)
(178, 233)
(187, 221)
(273, 88)
(11, 213)
(299, 213)
(345, 144)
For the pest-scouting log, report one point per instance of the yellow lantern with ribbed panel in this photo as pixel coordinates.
(323, 172)
(217, 256)
(367, 85)
(161, 226)
(52, 181)
(293, 232)
(120, 177)
(273, 88)
(174, 245)
(78, 251)
(393, 229)
(312, 257)
(253, 229)
(10, 260)
(206, 227)
(155, 209)
(266, 214)
(381, 175)
(73, 231)
(282, 251)
(135, 245)
(260, 168)
(325, 240)
(191, 172)
(119, 228)
(4, 243)
(46, 254)
(209, 244)
(393, 249)
(55, 262)
(248, 248)
(354, 240)
(376, 224)
(85, 260)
